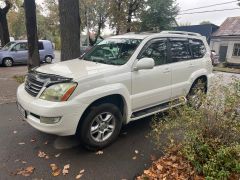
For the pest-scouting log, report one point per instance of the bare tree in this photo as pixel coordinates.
(32, 36)
(70, 29)
(4, 31)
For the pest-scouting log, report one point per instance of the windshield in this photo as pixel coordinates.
(8, 46)
(112, 51)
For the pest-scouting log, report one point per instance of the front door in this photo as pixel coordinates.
(20, 53)
(223, 53)
(152, 87)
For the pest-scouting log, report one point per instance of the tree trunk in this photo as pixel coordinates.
(4, 31)
(70, 29)
(32, 36)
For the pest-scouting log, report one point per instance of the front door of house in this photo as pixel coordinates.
(223, 53)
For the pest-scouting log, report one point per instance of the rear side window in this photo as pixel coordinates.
(158, 51)
(180, 50)
(40, 46)
(198, 48)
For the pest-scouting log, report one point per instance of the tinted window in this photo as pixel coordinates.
(179, 50)
(198, 48)
(21, 47)
(158, 51)
(40, 45)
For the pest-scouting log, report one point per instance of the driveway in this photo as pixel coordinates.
(20, 145)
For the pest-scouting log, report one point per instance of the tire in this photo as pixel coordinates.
(48, 59)
(196, 94)
(7, 62)
(100, 127)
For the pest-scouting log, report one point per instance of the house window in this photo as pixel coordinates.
(236, 50)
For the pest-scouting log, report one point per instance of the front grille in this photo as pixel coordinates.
(32, 85)
(35, 81)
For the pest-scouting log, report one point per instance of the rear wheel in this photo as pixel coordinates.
(48, 59)
(197, 92)
(100, 127)
(7, 62)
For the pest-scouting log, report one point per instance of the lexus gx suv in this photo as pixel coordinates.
(122, 79)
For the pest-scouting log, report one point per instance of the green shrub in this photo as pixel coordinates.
(210, 135)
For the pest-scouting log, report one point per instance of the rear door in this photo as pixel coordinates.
(181, 66)
(42, 53)
(153, 86)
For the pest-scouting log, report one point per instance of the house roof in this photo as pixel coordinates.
(230, 27)
(205, 29)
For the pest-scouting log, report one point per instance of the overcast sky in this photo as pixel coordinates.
(214, 17)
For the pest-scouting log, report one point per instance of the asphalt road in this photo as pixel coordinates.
(116, 162)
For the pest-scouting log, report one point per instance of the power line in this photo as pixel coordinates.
(209, 6)
(217, 10)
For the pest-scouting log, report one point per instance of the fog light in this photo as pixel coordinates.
(52, 120)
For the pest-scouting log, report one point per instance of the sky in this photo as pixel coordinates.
(194, 19)
(214, 17)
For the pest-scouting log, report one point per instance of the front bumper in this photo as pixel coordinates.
(69, 111)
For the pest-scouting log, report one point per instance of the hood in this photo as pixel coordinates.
(75, 68)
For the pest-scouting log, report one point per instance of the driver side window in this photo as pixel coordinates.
(20, 47)
(156, 50)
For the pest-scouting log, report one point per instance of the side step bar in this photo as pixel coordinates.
(157, 109)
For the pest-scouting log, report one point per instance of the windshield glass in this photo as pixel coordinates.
(112, 51)
(8, 46)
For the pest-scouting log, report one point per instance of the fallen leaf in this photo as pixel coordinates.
(26, 172)
(136, 151)
(78, 176)
(41, 154)
(82, 171)
(24, 162)
(55, 170)
(46, 143)
(134, 158)
(21, 143)
(65, 170)
(33, 140)
(15, 132)
(17, 160)
(57, 155)
(99, 153)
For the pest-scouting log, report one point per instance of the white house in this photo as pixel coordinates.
(226, 41)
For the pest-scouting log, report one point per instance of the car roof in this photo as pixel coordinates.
(169, 34)
(18, 41)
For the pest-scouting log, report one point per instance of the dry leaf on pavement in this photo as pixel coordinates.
(26, 172)
(134, 158)
(21, 143)
(55, 170)
(33, 140)
(65, 170)
(80, 174)
(99, 153)
(46, 142)
(136, 151)
(57, 155)
(15, 132)
(42, 154)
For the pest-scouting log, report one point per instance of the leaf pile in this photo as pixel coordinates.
(25, 172)
(170, 167)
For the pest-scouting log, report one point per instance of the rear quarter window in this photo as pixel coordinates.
(40, 46)
(198, 48)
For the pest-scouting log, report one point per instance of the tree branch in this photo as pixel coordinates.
(7, 7)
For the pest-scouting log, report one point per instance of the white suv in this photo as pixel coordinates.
(122, 79)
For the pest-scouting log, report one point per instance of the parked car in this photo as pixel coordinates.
(16, 52)
(122, 79)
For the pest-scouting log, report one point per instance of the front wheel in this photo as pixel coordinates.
(48, 59)
(100, 127)
(7, 62)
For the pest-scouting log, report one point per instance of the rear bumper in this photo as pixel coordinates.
(70, 113)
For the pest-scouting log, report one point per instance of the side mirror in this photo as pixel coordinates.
(145, 63)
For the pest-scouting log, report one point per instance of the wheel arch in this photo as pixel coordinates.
(116, 99)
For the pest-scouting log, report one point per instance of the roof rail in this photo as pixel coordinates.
(181, 32)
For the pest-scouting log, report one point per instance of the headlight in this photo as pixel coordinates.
(58, 92)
